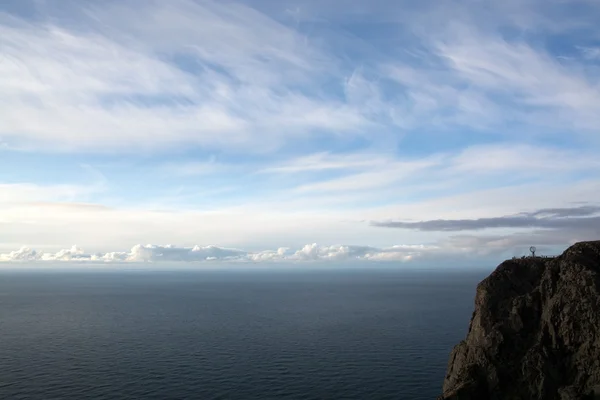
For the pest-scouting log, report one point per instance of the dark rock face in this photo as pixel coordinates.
(535, 331)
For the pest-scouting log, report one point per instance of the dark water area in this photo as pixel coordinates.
(230, 335)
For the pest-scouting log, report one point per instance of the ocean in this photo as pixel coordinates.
(231, 334)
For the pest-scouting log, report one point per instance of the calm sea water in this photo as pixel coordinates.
(230, 334)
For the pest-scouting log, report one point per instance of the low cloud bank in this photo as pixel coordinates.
(582, 218)
(171, 253)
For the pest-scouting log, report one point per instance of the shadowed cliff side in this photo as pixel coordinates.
(535, 331)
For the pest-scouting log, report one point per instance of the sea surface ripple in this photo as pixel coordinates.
(230, 335)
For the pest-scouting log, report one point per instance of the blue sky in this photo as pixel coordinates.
(297, 129)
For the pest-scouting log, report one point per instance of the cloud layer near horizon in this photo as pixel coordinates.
(171, 253)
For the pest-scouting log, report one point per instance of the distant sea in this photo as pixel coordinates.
(233, 334)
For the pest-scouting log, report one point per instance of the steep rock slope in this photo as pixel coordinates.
(535, 331)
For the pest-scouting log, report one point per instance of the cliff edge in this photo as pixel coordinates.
(535, 331)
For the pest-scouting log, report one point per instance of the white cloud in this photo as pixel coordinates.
(27, 254)
(269, 255)
(529, 77)
(121, 82)
(370, 174)
(340, 253)
(476, 79)
(72, 254)
(23, 254)
(454, 249)
(170, 253)
(138, 75)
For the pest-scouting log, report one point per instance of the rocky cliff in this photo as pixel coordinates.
(535, 331)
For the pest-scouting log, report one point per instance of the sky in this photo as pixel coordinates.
(263, 130)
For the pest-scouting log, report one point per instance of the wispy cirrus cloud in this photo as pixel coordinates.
(471, 165)
(147, 75)
(110, 82)
(531, 78)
